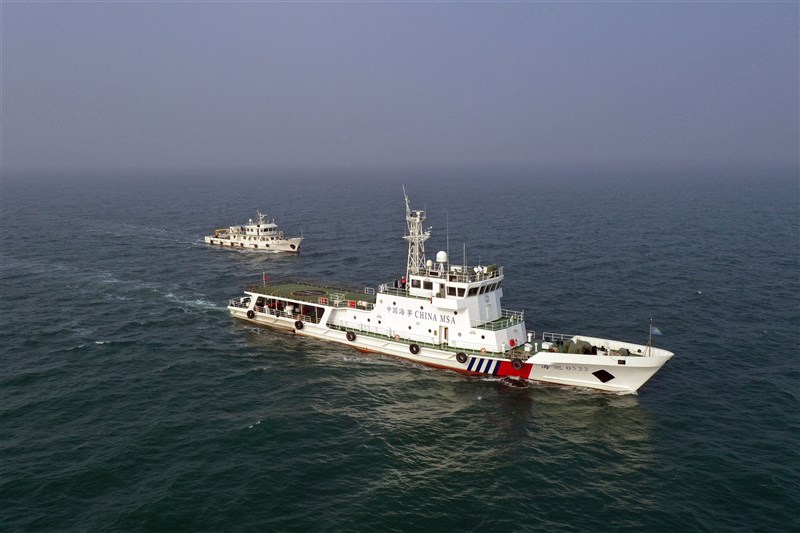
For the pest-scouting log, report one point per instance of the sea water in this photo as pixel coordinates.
(132, 400)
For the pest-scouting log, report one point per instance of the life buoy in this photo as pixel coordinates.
(517, 364)
(250, 314)
(397, 337)
(414, 348)
(512, 343)
(461, 357)
(299, 324)
(483, 351)
(351, 336)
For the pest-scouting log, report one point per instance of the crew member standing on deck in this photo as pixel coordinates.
(395, 283)
(403, 283)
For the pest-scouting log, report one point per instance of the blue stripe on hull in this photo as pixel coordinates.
(485, 366)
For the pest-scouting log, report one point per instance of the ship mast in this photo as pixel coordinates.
(416, 238)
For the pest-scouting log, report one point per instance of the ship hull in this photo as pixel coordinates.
(599, 372)
(284, 245)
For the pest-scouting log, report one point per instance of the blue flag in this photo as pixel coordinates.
(655, 331)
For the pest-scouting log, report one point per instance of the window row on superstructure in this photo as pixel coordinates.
(454, 290)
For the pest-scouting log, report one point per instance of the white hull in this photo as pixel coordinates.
(620, 374)
(283, 245)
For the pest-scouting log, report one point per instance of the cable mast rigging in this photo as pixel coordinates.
(416, 238)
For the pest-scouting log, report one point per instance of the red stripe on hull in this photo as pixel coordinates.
(508, 370)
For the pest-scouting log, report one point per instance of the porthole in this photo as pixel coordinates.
(409, 327)
(483, 336)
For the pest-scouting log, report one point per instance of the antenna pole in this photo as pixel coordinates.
(447, 231)
(416, 238)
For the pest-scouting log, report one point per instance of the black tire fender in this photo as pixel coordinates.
(461, 357)
(250, 314)
(517, 364)
(298, 325)
(351, 336)
(414, 348)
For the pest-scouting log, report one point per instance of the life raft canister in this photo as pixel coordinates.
(250, 314)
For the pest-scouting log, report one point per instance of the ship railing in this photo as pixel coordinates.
(358, 327)
(237, 303)
(387, 288)
(312, 319)
(338, 300)
(507, 319)
(553, 337)
(394, 291)
(468, 274)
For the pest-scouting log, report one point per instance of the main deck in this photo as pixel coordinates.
(317, 294)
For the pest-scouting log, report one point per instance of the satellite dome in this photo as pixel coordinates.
(441, 257)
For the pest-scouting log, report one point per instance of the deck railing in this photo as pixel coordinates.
(312, 319)
(507, 319)
(552, 337)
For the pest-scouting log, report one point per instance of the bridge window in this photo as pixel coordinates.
(428, 285)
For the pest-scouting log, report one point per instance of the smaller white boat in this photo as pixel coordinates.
(260, 235)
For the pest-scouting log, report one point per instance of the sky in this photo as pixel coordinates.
(194, 86)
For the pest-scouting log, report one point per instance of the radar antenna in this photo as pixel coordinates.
(416, 238)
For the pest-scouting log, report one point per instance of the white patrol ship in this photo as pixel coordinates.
(259, 235)
(448, 316)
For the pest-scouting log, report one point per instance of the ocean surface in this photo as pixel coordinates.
(130, 400)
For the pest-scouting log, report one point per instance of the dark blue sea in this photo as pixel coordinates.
(130, 400)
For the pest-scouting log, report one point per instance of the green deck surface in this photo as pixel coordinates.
(306, 292)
